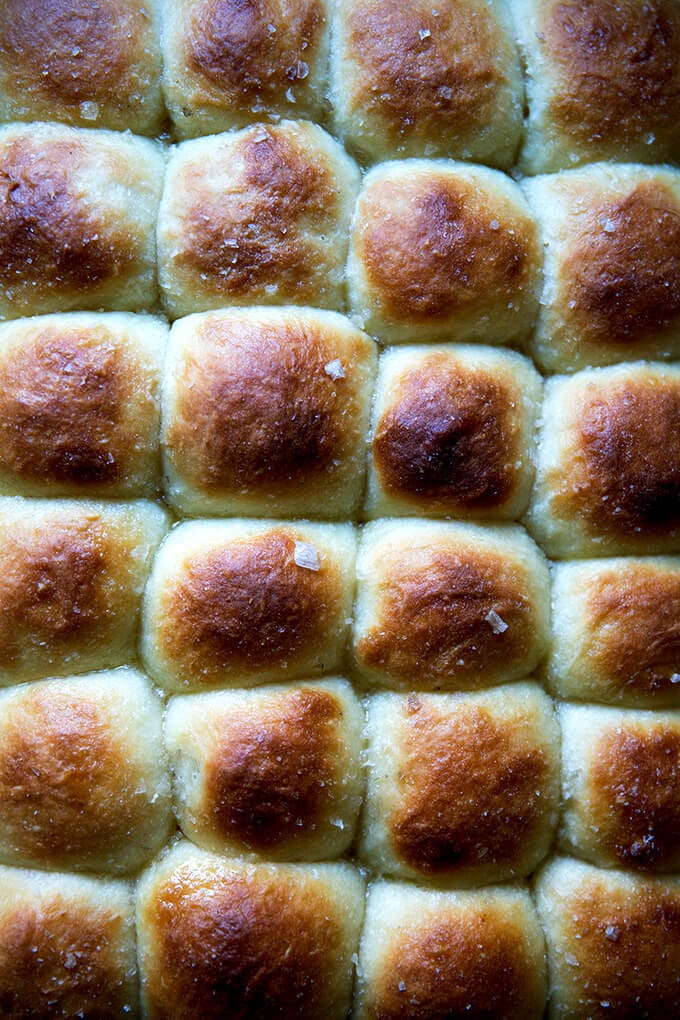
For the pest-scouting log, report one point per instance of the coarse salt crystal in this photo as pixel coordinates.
(334, 369)
(306, 556)
(496, 622)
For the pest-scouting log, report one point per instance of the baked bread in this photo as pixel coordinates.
(221, 936)
(258, 216)
(453, 433)
(80, 405)
(265, 412)
(274, 771)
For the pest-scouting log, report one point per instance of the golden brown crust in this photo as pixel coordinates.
(257, 412)
(476, 960)
(59, 54)
(254, 236)
(621, 278)
(633, 788)
(625, 944)
(253, 52)
(50, 238)
(66, 785)
(624, 477)
(433, 618)
(473, 790)
(62, 959)
(248, 607)
(633, 628)
(617, 69)
(63, 396)
(424, 72)
(431, 248)
(269, 778)
(449, 434)
(243, 942)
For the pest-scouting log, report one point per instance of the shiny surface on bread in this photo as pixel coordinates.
(616, 635)
(67, 947)
(613, 942)
(80, 405)
(462, 789)
(71, 580)
(230, 605)
(448, 606)
(225, 937)
(256, 216)
(443, 251)
(415, 80)
(274, 771)
(429, 955)
(88, 64)
(453, 432)
(609, 463)
(227, 63)
(83, 776)
(267, 411)
(77, 215)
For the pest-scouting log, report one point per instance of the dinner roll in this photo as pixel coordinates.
(88, 64)
(80, 405)
(429, 954)
(237, 603)
(463, 789)
(602, 81)
(67, 947)
(608, 470)
(77, 218)
(258, 216)
(443, 606)
(223, 937)
(413, 79)
(266, 413)
(72, 575)
(611, 288)
(621, 787)
(274, 771)
(613, 942)
(83, 774)
(443, 251)
(615, 634)
(227, 63)
(453, 433)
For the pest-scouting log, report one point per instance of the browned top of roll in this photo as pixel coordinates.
(450, 434)
(424, 71)
(621, 279)
(65, 779)
(617, 64)
(625, 472)
(626, 943)
(430, 247)
(270, 775)
(470, 789)
(251, 943)
(61, 398)
(50, 235)
(252, 51)
(282, 192)
(60, 958)
(477, 957)
(248, 606)
(74, 50)
(439, 599)
(258, 410)
(634, 790)
(633, 627)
